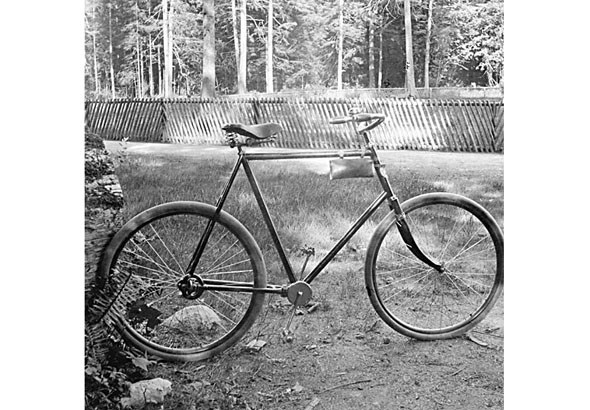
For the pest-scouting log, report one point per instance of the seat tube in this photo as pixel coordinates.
(269, 223)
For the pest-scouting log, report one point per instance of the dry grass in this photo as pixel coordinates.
(344, 335)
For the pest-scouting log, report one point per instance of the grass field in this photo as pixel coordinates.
(307, 208)
(343, 342)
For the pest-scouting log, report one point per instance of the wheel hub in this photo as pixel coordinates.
(191, 287)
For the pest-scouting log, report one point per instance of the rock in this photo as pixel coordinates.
(195, 317)
(147, 391)
(255, 345)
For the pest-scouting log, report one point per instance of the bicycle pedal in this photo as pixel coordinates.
(288, 336)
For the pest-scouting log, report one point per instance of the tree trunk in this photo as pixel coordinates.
(139, 89)
(94, 57)
(208, 87)
(410, 81)
(151, 65)
(150, 57)
(167, 35)
(160, 73)
(380, 69)
(269, 50)
(340, 43)
(427, 49)
(371, 53)
(242, 89)
(112, 69)
(236, 37)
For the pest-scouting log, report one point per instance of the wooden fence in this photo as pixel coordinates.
(419, 124)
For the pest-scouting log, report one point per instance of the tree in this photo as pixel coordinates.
(147, 47)
(243, 49)
(91, 30)
(340, 42)
(111, 63)
(371, 34)
(410, 81)
(208, 87)
(168, 41)
(427, 48)
(269, 50)
(236, 37)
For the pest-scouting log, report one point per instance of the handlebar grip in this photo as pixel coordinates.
(363, 117)
(360, 117)
(340, 120)
(366, 117)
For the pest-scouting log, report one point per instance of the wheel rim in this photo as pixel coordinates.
(153, 259)
(427, 301)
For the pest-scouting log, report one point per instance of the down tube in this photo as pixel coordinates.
(353, 229)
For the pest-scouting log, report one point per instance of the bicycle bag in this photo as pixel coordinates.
(351, 168)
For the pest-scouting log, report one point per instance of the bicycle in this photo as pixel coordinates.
(194, 278)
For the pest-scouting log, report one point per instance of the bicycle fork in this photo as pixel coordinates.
(394, 205)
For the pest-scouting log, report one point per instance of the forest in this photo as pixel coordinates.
(191, 48)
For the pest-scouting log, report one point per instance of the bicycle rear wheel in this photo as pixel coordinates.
(425, 303)
(148, 258)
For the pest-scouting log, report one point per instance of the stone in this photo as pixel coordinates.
(195, 317)
(147, 391)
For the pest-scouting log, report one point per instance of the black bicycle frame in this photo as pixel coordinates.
(244, 159)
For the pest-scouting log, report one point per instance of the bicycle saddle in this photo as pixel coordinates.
(259, 131)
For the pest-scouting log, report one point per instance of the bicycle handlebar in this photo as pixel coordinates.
(361, 117)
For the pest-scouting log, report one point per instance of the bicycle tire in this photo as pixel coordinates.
(149, 255)
(418, 301)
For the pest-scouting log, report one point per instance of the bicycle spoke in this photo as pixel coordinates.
(233, 272)
(166, 247)
(453, 233)
(159, 256)
(225, 266)
(405, 289)
(426, 269)
(473, 254)
(213, 266)
(405, 268)
(463, 250)
(461, 292)
(459, 274)
(462, 280)
(226, 295)
(218, 312)
(144, 267)
(164, 268)
(145, 257)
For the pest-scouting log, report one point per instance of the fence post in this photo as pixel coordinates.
(256, 110)
(497, 127)
(163, 121)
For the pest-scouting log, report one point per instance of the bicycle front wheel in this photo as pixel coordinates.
(426, 303)
(148, 258)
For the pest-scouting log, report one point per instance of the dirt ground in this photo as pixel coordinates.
(343, 356)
